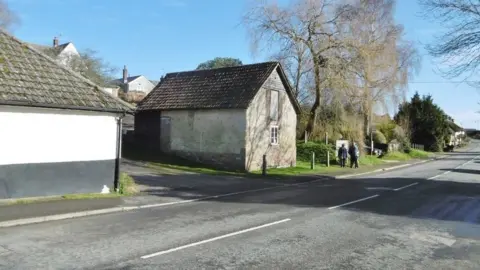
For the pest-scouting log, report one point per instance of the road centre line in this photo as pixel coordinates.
(407, 186)
(356, 201)
(447, 172)
(228, 194)
(214, 239)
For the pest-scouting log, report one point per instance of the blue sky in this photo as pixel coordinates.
(153, 37)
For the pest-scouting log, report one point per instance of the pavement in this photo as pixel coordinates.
(417, 217)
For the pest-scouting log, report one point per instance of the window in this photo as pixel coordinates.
(274, 135)
(274, 105)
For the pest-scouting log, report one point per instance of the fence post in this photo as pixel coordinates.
(312, 161)
(306, 136)
(328, 158)
(264, 165)
(326, 138)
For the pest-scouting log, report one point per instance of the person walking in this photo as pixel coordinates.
(354, 155)
(342, 155)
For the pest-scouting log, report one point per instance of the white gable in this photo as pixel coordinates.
(141, 84)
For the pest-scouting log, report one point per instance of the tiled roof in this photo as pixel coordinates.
(49, 50)
(30, 78)
(221, 88)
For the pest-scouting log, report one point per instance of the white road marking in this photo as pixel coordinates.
(447, 172)
(208, 197)
(229, 194)
(407, 186)
(379, 188)
(349, 203)
(214, 239)
(433, 239)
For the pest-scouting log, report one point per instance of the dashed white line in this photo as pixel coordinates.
(459, 166)
(349, 203)
(213, 239)
(208, 197)
(407, 186)
(229, 194)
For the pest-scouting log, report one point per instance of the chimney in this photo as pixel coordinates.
(125, 74)
(55, 42)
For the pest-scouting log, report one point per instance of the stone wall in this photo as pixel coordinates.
(215, 137)
(259, 125)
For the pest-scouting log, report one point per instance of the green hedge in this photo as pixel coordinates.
(304, 151)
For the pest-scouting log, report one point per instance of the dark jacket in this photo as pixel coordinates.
(342, 153)
(353, 151)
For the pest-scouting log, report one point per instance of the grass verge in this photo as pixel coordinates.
(302, 168)
(412, 154)
(415, 153)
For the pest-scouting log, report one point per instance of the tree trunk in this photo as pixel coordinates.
(312, 117)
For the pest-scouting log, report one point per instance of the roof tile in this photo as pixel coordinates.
(29, 77)
(221, 88)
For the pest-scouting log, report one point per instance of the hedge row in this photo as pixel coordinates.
(304, 151)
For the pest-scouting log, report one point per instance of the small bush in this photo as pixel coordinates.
(388, 129)
(415, 153)
(127, 185)
(304, 151)
(396, 156)
(399, 134)
(378, 137)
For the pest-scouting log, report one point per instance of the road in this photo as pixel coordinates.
(420, 217)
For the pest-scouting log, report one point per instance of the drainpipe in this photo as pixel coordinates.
(118, 154)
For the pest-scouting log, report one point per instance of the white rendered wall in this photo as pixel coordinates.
(67, 54)
(32, 135)
(141, 84)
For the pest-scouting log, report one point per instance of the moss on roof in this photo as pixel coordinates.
(30, 78)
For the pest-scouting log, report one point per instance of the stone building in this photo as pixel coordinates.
(227, 117)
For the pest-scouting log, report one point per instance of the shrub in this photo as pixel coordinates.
(378, 137)
(304, 151)
(127, 185)
(387, 128)
(415, 153)
(399, 134)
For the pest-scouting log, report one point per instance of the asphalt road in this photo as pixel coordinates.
(421, 217)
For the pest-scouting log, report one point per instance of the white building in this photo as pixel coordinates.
(138, 83)
(60, 132)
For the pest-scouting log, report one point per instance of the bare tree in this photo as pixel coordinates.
(7, 17)
(382, 61)
(93, 67)
(297, 67)
(308, 23)
(459, 45)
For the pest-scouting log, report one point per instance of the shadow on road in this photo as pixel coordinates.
(468, 171)
(439, 199)
(428, 199)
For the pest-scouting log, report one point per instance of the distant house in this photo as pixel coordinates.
(228, 117)
(134, 84)
(62, 53)
(60, 132)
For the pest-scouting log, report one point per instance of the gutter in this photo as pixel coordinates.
(65, 107)
(118, 154)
